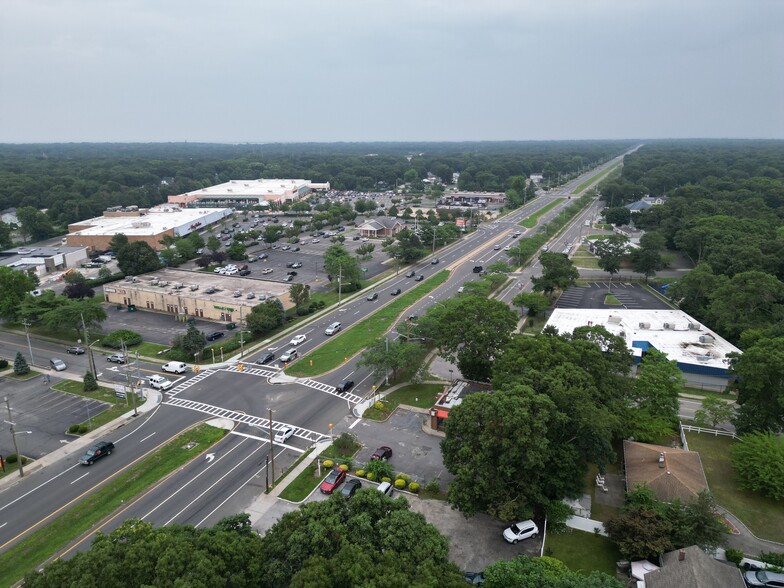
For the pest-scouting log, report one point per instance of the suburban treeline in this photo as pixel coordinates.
(76, 181)
(724, 211)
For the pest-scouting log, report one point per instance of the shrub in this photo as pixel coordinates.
(360, 473)
(11, 458)
(557, 512)
(123, 336)
(385, 479)
(345, 443)
(83, 429)
(343, 467)
(90, 385)
(3, 364)
(413, 487)
(734, 555)
(433, 487)
(20, 365)
(400, 484)
(328, 463)
(379, 405)
(405, 477)
(758, 463)
(380, 468)
(371, 476)
(73, 429)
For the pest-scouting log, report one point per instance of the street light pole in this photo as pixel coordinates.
(26, 324)
(13, 436)
(386, 368)
(272, 447)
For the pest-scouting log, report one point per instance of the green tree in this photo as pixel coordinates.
(192, 342)
(20, 365)
(760, 382)
(692, 292)
(558, 273)
(620, 215)
(340, 264)
(14, 286)
(5, 236)
(271, 234)
(118, 242)
(78, 290)
(137, 258)
(758, 463)
(647, 260)
(406, 246)
(236, 251)
(196, 240)
(396, 357)
(89, 382)
(713, 412)
(104, 272)
(299, 294)
(611, 252)
(213, 243)
(69, 316)
(542, 572)
(749, 300)
(658, 386)
(186, 248)
(33, 223)
(266, 317)
(469, 330)
(640, 534)
(534, 302)
(34, 308)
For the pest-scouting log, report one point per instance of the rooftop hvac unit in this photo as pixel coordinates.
(644, 325)
(163, 284)
(704, 358)
(154, 281)
(614, 319)
(129, 278)
(668, 326)
(194, 287)
(694, 326)
(707, 339)
(179, 286)
(134, 279)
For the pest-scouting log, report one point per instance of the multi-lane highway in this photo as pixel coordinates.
(207, 490)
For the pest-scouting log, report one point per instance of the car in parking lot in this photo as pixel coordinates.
(410, 274)
(382, 452)
(266, 270)
(175, 367)
(75, 350)
(385, 488)
(314, 241)
(297, 339)
(283, 434)
(245, 272)
(372, 297)
(116, 358)
(289, 355)
(332, 329)
(344, 386)
(475, 578)
(332, 481)
(288, 278)
(159, 382)
(291, 273)
(96, 452)
(520, 531)
(215, 335)
(396, 291)
(350, 488)
(764, 578)
(266, 358)
(295, 248)
(57, 365)
(296, 264)
(285, 247)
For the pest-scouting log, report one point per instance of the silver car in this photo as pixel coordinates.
(57, 365)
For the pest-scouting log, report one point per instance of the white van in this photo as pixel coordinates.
(175, 367)
(386, 488)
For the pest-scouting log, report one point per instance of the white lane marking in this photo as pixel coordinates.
(80, 477)
(147, 437)
(263, 440)
(38, 487)
(354, 424)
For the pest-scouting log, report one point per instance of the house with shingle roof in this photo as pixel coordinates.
(671, 473)
(382, 226)
(693, 568)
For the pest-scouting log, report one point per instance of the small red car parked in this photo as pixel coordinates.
(332, 481)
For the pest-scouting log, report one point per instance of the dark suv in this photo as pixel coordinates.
(478, 269)
(96, 452)
(344, 386)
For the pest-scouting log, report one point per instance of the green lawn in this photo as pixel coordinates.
(301, 486)
(80, 518)
(530, 221)
(593, 179)
(419, 395)
(583, 552)
(600, 512)
(29, 375)
(609, 299)
(119, 406)
(765, 517)
(353, 340)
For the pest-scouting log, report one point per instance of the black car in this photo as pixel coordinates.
(295, 240)
(291, 273)
(419, 278)
(244, 272)
(344, 386)
(215, 335)
(355, 238)
(396, 291)
(295, 248)
(350, 488)
(411, 274)
(96, 452)
(266, 358)
(372, 296)
(478, 269)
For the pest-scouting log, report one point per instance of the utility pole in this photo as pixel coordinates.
(26, 324)
(272, 447)
(139, 374)
(127, 370)
(434, 241)
(340, 279)
(13, 436)
(89, 349)
(386, 368)
(242, 340)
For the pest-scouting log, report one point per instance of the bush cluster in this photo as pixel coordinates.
(116, 339)
(3, 364)
(413, 487)
(328, 463)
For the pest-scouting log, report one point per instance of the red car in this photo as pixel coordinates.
(382, 452)
(333, 480)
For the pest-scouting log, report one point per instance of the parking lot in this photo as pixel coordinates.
(593, 294)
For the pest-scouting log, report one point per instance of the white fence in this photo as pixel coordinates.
(703, 430)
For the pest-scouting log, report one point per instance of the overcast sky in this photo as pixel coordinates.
(389, 70)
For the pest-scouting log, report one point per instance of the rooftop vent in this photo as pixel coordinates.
(644, 325)
(707, 339)
(668, 326)
(695, 326)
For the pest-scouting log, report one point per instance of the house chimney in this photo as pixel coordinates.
(681, 555)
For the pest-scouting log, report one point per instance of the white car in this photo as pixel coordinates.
(460, 289)
(521, 531)
(507, 248)
(289, 355)
(283, 434)
(297, 340)
(332, 329)
(231, 272)
(175, 367)
(159, 382)
(266, 270)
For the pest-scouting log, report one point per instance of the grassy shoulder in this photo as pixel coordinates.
(350, 342)
(47, 541)
(764, 516)
(117, 406)
(594, 179)
(583, 552)
(529, 222)
(419, 395)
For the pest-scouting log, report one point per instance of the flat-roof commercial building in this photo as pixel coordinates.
(701, 354)
(43, 260)
(196, 294)
(245, 193)
(148, 225)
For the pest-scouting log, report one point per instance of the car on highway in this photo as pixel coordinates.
(507, 248)
(410, 274)
(266, 358)
(283, 434)
(396, 291)
(496, 248)
(344, 386)
(75, 350)
(214, 336)
(96, 452)
(266, 270)
(332, 481)
(520, 531)
(372, 297)
(116, 358)
(332, 329)
(289, 355)
(382, 452)
(296, 340)
(764, 578)
(175, 367)
(419, 278)
(435, 261)
(57, 365)
(478, 269)
(350, 488)
(159, 382)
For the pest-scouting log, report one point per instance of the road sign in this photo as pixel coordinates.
(119, 391)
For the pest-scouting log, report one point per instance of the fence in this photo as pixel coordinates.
(700, 430)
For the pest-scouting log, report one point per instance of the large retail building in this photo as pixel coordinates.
(245, 193)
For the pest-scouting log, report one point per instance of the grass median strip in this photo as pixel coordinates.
(529, 222)
(48, 540)
(349, 342)
(593, 179)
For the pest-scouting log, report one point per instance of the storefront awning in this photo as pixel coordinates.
(442, 414)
